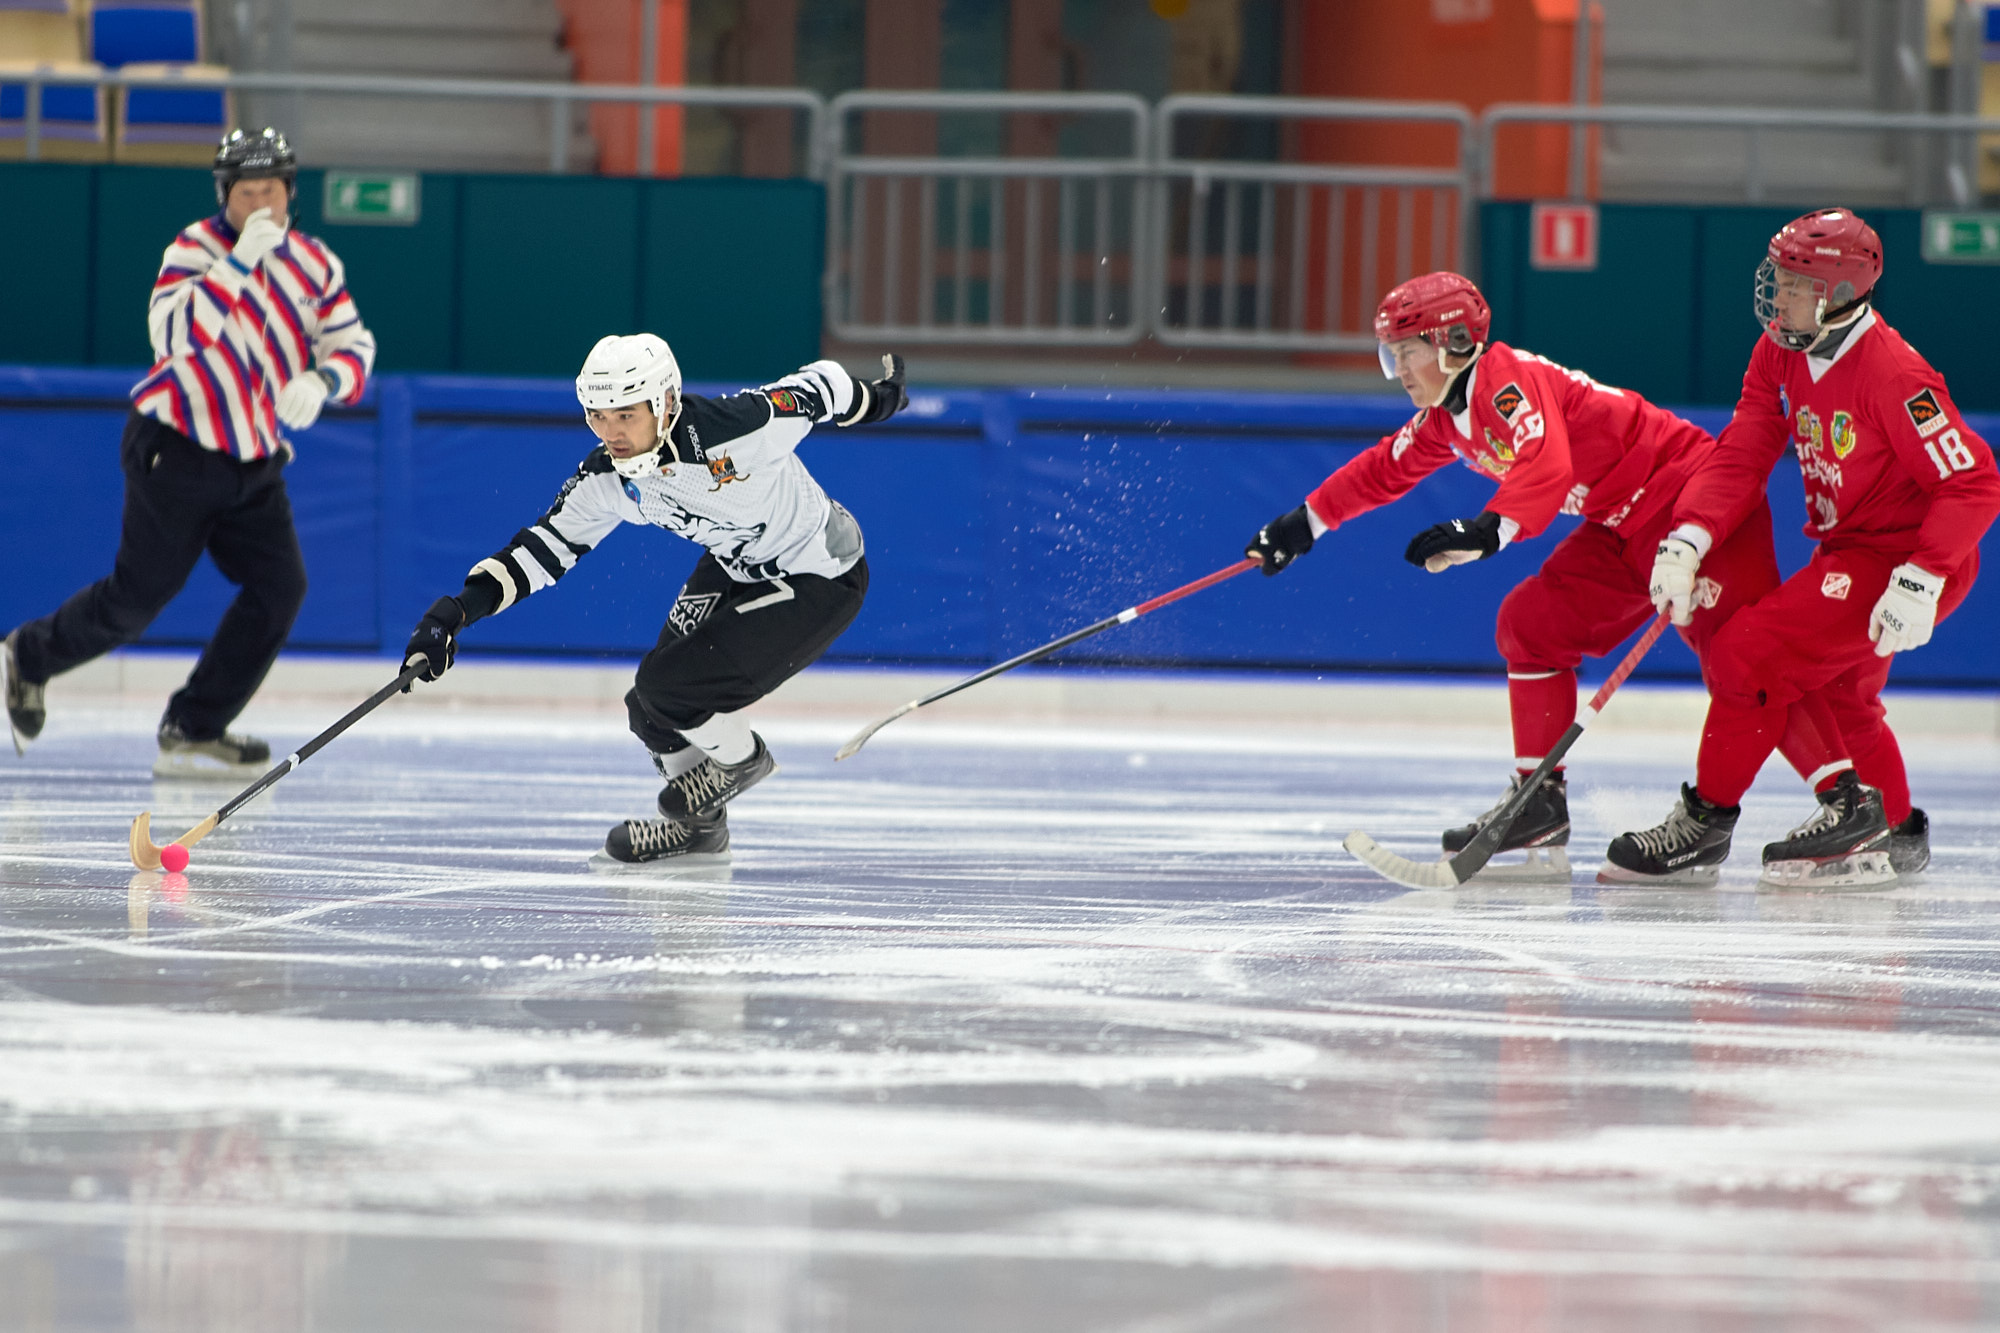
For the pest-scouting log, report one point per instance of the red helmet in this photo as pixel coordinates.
(1444, 309)
(1839, 253)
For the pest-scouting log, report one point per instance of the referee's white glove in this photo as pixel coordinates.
(260, 235)
(1906, 613)
(300, 400)
(1672, 587)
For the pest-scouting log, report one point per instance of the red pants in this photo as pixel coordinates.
(1808, 638)
(1588, 598)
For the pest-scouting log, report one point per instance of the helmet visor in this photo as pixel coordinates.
(1403, 354)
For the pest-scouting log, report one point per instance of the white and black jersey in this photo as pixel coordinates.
(733, 483)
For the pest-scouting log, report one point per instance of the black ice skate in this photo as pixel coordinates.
(1688, 847)
(1541, 829)
(708, 786)
(226, 756)
(1910, 844)
(1845, 845)
(25, 710)
(666, 843)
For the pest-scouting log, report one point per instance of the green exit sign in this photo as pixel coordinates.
(1962, 238)
(378, 198)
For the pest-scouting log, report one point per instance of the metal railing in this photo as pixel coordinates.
(1256, 254)
(971, 249)
(561, 98)
(1961, 134)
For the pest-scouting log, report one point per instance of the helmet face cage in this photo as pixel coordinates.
(1765, 303)
(266, 155)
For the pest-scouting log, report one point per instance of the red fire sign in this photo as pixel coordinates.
(1563, 236)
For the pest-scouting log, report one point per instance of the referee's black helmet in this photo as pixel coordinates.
(257, 156)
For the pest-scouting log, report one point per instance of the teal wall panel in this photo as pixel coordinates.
(1668, 311)
(730, 274)
(139, 212)
(46, 210)
(547, 267)
(405, 279)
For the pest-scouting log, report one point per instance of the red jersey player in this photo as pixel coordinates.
(1898, 491)
(1557, 442)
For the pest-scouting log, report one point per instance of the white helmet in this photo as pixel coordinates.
(624, 369)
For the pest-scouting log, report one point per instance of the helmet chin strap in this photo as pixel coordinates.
(648, 463)
(1836, 331)
(1452, 377)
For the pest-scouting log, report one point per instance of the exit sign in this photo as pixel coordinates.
(1563, 236)
(391, 200)
(1962, 238)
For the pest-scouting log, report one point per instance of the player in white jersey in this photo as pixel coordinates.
(252, 330)
(783, 576)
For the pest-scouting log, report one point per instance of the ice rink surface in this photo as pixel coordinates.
(992, 1028)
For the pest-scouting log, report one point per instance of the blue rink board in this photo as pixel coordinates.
(995, 520)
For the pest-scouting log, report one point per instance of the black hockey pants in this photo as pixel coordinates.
(728, 644)
(181, 500)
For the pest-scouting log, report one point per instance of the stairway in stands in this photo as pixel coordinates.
(1796, 54)
(449, 39)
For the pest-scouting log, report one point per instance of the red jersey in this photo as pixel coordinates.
(1889, 464)
(1557, 441)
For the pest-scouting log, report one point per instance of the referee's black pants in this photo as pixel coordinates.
(181, 500)
(727, 644)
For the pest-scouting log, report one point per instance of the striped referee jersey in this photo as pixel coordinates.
(227, 338)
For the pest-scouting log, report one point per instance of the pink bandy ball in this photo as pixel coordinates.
(174, 857)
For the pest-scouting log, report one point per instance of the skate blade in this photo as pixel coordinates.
(1694, 877)
(1544, 865)
(206, 768)
(708, 865)
(1863, 870)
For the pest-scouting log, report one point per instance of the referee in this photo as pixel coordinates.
(252, 327)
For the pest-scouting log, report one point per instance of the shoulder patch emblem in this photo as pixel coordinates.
(1925, 414)
(1836, 585)
(785, 401)
(1508, 401)
(723, 469)
(1840, 434)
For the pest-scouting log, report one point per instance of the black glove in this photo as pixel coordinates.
(1454, 543)
(1282, 540)
(878, 400)
(433, 640)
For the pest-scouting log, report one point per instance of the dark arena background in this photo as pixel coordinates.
(1062, 1005)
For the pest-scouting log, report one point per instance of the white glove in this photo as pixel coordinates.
(300, 400)
(1672, 588)
(1906, 612)
(260, 235)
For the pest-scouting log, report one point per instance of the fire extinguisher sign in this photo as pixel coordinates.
(1563, 236)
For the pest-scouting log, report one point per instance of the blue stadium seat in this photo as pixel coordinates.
(124, 32)
(179, 124)
(72, 117)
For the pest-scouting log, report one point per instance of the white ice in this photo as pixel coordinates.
(1001, 1025)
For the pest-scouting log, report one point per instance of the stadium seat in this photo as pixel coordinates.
(72, 117)
(39, 31)
(123, 32)
(172, 125)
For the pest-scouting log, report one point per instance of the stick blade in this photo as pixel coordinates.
(144, 854)
(862, 736)
(1400, 869)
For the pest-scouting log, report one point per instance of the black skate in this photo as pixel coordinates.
(1541, 829)
(25, 710)
(1845, 845)
(1910, 844)
(226, 756)
(665, 843)
(1688, 847)
(708, 786)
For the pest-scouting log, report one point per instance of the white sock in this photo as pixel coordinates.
(725, 738)
(680, 761)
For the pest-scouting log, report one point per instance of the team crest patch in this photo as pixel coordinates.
(1925, 414)
(1840, 434)
(723, 470)
(690, 610)
(631, 489)
(1502, 451)
(1508, 401)
(1836, 585)
(1707, 593)
(784, 400)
